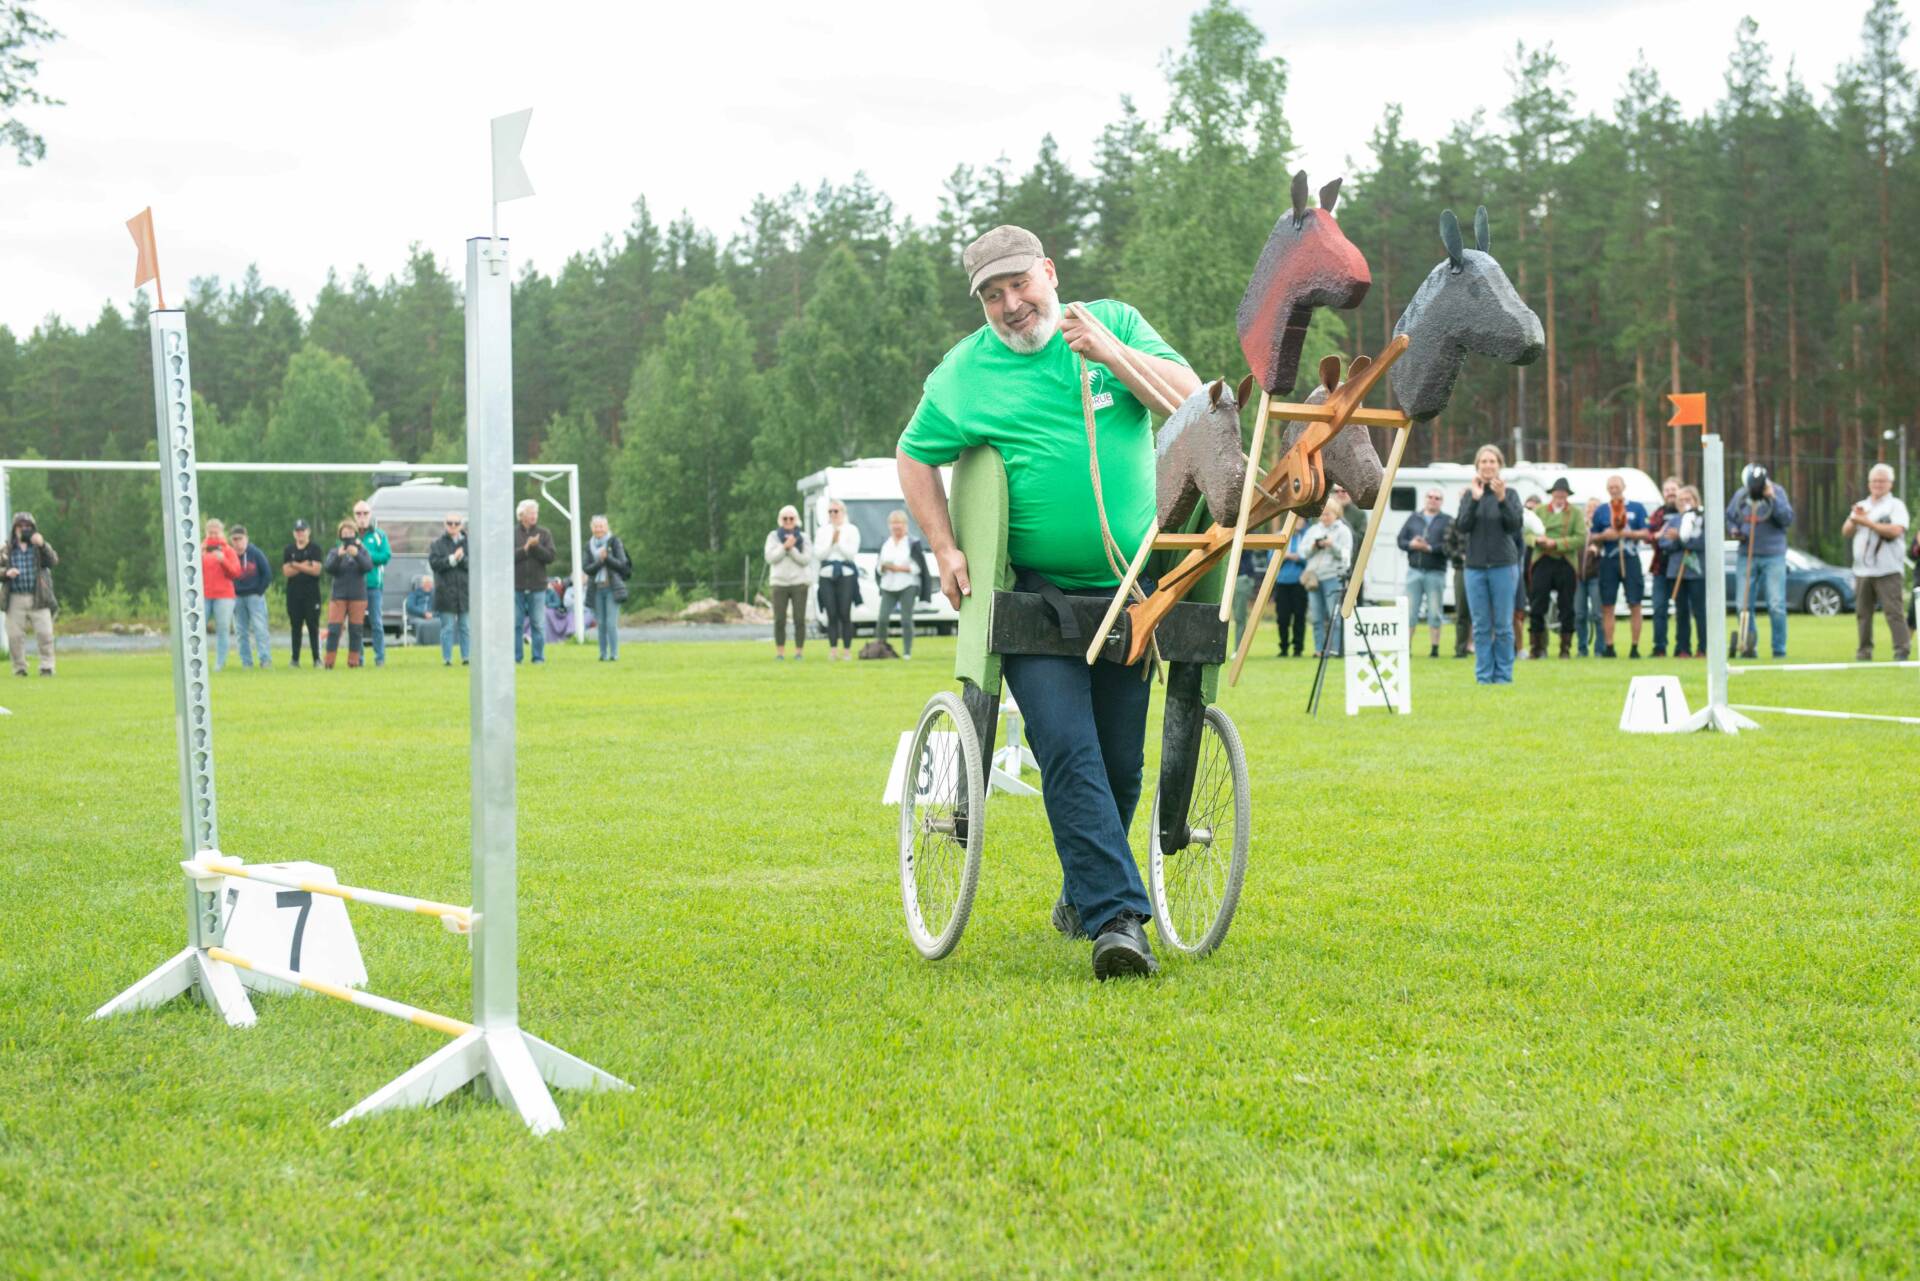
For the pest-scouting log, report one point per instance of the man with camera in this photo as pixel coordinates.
(532, 553)
(1878, 527)
(301, 565)
(1758, 518)
(29, 578)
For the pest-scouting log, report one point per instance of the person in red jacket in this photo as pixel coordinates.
(219, 566)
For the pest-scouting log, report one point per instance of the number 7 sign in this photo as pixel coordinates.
(295, 929)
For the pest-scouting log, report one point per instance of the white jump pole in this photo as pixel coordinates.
(497, 1057)
(193, 968)
(1716, 715)
(365, 1000)
(457, 919)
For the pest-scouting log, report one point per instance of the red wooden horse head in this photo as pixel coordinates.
(1308, 262)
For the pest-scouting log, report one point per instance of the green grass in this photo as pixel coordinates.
(1510, 993)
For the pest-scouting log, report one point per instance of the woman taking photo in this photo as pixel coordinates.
(607, 571)
(835, 548)
(1328, 544)
(1489, 519)
(219, 566)
(1682, 538)
(348, 565)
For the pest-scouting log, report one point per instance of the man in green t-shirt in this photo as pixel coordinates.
(1015, 384)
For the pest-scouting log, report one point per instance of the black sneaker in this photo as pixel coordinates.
(1658, 651)
(1066, 919)
(1433, 651)
(1122, 948)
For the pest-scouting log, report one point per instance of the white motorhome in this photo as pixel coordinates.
(1387, 570)
(869, 488)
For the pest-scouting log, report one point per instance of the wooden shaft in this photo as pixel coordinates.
(365, 1000)
(1120, 595)
(1246, 502)
(1373, 526)
(1260, 600)
(1294, 412)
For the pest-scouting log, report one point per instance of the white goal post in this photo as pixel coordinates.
(545, 473)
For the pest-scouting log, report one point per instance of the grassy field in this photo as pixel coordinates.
(1510, 993)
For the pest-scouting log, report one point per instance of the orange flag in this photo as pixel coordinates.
(140, 226)
(1689, 409)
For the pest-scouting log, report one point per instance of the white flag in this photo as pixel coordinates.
(510, 181)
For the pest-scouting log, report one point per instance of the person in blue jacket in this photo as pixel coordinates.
(1683, 540)
(1758, 519)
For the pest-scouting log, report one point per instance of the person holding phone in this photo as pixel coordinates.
(1329, 548)
(1878, 527)
(448, 557)
(789, 562)
(219, 568)
(348, 564)
(1682, 539)
(838, 545)
(1489, 518)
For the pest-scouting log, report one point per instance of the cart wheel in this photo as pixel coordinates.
(942, 812)
(1196, 888)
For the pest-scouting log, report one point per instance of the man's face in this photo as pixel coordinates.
(1616, 488)
(300, 537)
(1557, 500)
(1669, 493)
(1879, 483)
(526, 516)
(426, 583)
(240, 543)
(455, 524)
(1433, 502)
(1023, 309)
(599, 529)
(362, 515)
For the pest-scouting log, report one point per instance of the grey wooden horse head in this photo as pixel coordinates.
(1198, 454)
(1465, 305)
(1349, 458)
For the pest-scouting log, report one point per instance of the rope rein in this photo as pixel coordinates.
(1117, 559)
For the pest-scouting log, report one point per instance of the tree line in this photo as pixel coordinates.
(1745, 252)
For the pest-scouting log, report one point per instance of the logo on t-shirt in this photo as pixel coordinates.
(1101, 399)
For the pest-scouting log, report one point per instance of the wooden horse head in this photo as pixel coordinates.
(1198, 454)
(1349, 459)
(1465, 305)
(1308, 262)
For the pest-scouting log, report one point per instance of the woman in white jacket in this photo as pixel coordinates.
(788, 563)
(836, 547)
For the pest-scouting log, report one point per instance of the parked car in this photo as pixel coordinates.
(1813, 586)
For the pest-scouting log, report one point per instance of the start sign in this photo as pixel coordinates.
(1377, 652)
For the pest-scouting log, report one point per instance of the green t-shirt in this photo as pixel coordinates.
(1028, 408)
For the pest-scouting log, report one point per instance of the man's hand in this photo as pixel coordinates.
(14, 573)
(37, 540)
(531, 544)
(1552, 544)
(954, 582)
(1087, 340)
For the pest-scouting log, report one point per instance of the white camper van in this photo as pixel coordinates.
(1387, 570)
(870, 490)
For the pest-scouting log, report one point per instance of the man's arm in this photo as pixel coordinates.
(927, 500)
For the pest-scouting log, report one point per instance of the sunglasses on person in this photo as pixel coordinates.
(455, 524)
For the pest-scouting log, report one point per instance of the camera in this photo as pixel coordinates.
(1756, 483)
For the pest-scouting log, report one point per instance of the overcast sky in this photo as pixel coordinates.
(301, 136)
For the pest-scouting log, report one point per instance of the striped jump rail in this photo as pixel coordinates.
(457, 919)
(365, 1000)
(1816, 667)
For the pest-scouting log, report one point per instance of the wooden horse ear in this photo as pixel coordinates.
(1330, 372)
(1246, 387)
(1482, 239)
(1214, 391)
(1450, 237)
(1330, 194)
(1359, 366)
(1299, 197)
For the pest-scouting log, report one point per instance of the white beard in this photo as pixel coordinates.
(1036, 336)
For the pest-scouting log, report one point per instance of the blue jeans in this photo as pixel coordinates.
(376, 629)
(530, 610)
(1426, 591)
(1323, 607)
(1489, 592)
(450, 626)
(1769, 580)
(1586, 614)
(1661, 590)
(253, 625)
(1088, 728)
(606, 613)
(222, 630)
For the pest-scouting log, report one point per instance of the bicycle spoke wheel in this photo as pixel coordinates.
(1197, 887)
(942, 812)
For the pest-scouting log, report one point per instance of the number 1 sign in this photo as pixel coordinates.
(295, 929)
(1655, 705)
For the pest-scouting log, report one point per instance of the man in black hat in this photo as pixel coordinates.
(1023, 383)
(1555, 549)
(300, 564)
